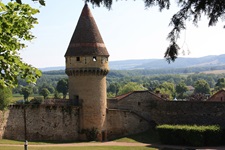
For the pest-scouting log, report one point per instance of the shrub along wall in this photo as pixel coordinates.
(190, 135)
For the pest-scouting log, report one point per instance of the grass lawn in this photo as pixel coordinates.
(148, 137)
(78, 148)
(17, 97)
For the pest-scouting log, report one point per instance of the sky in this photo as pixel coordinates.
(129, 31)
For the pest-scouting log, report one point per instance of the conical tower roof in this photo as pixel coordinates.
(86, 39)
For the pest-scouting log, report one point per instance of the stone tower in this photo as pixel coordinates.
(87, 67)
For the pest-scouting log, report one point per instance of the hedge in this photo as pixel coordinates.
(191, 135)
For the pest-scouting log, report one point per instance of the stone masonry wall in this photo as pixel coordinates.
(44, 122)
(188, 112)
(146, 106)
(51, 122)
(3, 120)
(139, 102)
(121, 123)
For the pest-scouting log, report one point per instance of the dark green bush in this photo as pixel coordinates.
(190, 135)
(5, 96)
(91, 134)
(37, 100)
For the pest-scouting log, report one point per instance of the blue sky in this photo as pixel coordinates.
(129, 30)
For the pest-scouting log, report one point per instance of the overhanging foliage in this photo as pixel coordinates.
(16, 21)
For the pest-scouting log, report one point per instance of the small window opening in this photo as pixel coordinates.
(94, 58)
(78, 58)
(221, 98)
(139, 103)
(85, 60)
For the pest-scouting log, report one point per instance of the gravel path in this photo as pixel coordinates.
(85, 144)
(112, 143)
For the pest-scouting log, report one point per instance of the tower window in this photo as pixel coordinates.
(139, 103)
(78, 58)
(94, 58)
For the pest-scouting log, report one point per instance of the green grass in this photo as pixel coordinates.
(148, 137)
(151, 137)
(17, 97)
(14, 142)
(77, 148)
(5, 141)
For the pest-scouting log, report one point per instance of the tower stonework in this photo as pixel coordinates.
(87, 67)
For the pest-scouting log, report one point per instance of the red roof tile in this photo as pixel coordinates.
(86, 39)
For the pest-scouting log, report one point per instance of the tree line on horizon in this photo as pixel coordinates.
(54, 84)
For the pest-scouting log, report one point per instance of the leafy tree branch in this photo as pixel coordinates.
(16, 21)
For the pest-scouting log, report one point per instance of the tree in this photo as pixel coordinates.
(129, 87)
(42, 2)
(35, 90)
(16, 21)
(17, 89)
(220, 84)
(113, 88)
(201, 86)
(167, 88)
(197, 97)
(5, 95)
(48, 86)
(189, 10)
(57, 95)
(181, 88)
(44, 92)
(62, 87)
(151, 86)
(26, 92)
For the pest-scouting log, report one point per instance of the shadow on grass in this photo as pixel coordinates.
(7, 141)
(151, 137)
(148, 137)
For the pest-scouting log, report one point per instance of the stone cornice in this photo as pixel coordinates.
(86, 71)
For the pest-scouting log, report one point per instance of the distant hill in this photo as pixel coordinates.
(52, 68)
(148, 64)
